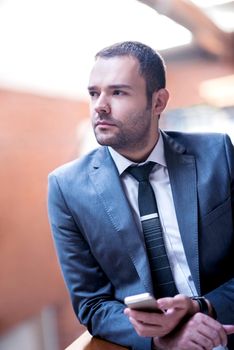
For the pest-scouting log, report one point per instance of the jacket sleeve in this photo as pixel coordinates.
(222, 298)
(90, 290)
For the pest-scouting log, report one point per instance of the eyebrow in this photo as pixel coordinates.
(112, 87)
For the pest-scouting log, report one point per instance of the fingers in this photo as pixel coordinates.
(145, 317)
(146, 330)
(201, 332)
(229, 329)
(153, 324)
(150, 324)
(147, 324)
(207, 332)
(178, 302)
(160, 324)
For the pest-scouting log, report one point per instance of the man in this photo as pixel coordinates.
(99, 229)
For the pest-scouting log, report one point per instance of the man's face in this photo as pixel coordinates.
(120, 116)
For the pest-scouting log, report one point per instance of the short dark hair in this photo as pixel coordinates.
(152, 66)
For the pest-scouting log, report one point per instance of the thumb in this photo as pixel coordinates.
(229, 329)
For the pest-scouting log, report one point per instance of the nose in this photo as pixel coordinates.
(102, 105)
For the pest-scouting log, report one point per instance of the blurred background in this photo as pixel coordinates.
(46, 50)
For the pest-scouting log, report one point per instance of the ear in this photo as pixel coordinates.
(159, 101)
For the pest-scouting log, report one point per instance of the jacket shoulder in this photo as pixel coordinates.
(76, 166)
(199, 141)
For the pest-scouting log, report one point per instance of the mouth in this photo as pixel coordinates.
(103, 123)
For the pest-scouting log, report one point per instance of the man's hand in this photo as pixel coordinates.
(151, 324)
(200, 332)
(180, 327)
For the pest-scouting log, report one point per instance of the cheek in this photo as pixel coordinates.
(91, 107)
(129, 110)
(92, 113)
(90, 110)
(123, 111)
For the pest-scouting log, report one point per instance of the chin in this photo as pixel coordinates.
(104, 140)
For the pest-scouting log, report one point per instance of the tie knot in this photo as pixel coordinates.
(141, 173)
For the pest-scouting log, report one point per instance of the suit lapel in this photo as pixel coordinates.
(182, 174)
(106, 181)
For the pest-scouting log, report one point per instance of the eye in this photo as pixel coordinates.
(118, 93)
(93, 93)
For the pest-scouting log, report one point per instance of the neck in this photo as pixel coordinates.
(139, 155)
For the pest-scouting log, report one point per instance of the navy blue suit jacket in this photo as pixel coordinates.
(102, 253)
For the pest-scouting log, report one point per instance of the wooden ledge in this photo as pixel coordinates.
(87, 342)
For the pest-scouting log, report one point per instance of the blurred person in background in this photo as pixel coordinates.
(100, 225)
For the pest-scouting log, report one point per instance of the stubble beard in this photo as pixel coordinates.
(133, 138)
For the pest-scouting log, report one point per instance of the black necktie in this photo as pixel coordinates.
(160, 268)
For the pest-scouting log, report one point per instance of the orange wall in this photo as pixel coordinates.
(37, 134)
(185, 76)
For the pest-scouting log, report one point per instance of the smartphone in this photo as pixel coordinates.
(142, 302)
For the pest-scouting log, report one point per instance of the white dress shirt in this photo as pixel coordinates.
(160, 182)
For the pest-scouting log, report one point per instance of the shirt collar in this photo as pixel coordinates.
(157, 156)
